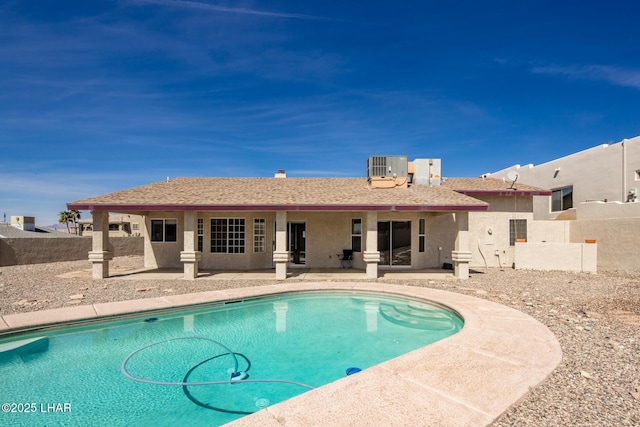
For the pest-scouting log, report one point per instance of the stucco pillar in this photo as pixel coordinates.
(281, 255)
(190, 256)
(371, 255)
(99, 255)
(461, 256)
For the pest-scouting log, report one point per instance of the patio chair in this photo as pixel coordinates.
(347, 258)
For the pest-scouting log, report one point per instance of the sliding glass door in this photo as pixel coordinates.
(394, 243)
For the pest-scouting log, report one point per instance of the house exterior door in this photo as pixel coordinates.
(394, 243)
(296, 237)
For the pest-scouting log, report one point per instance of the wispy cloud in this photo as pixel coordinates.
(239, 10)
(615, 75)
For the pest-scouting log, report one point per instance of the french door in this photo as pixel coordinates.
(296, 241)
(394, 243)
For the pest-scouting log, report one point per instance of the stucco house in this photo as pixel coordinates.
(401, 216)
(595, 197)
(119, 226)
(600, 182)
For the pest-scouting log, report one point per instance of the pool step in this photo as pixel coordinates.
(26, 349)
(413, 316)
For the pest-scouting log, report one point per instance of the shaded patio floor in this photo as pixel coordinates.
(292, 273)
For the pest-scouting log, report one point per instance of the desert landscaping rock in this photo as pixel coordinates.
(595, 317)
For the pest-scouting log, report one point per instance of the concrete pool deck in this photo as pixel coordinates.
(468, 379)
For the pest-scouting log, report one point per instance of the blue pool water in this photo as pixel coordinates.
(274, 348)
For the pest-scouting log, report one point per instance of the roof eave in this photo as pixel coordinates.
(504, 193)
(278, 207)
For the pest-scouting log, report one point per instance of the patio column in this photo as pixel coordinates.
(371, 255)
(99, 255)
(190, 255)
(461, 256)
(281, 255)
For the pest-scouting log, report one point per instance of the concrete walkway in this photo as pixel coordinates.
(468, 379)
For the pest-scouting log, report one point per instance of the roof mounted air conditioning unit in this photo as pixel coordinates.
(387, 166)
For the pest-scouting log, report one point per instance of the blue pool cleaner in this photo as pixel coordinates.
(353, 370)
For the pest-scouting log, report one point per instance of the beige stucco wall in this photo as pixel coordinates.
(489, 231)
(617, 239)
(549, 231)
(607, 171)
(489, 238)
(162, 254)
(21, 251)
(556, 256)
(602, 210)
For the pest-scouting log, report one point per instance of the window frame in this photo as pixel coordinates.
(169, 228)
(422, 235)
(200, 234)
(356, 235)
(259, 235)
(228, 235)
(558, 204)
(516, 230)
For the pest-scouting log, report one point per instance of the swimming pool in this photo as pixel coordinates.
(86, 375)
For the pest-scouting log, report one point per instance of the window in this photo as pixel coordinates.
(200, 234)
(259, 235)
(562, 199)
(135, 226)
(114, 227)
(517, 230)
(421, 235)
(356, 235)
(164, 230)
(227, 235)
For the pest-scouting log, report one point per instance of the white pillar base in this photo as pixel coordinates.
(371, 259)
(100, 261)
(281, 259)
(190, 260)
(461, 260)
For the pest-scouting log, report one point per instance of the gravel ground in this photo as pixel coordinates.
(596, 318)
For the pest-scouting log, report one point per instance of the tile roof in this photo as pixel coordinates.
(492, 186)
(278, 194)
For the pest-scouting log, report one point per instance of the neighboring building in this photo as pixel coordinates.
(595, 192)
(119, 226)
(12, 232)
(401, 216)
(24, 223)
(589, 184)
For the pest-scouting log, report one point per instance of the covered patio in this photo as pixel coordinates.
(289, 227)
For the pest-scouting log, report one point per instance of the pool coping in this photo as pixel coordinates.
(468, 379)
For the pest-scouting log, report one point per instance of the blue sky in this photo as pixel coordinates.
(100, 96)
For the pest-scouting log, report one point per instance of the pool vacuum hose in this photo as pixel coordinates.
(235, 375)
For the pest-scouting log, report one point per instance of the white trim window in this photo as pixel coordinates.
(200, 234)
(356, 235)
(227, 235)
(259, 235)
(422, 234)
(164, 230)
